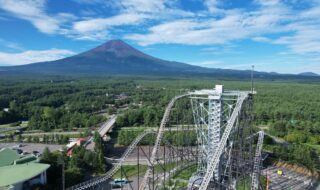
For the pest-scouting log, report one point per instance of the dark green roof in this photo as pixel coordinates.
(8, 156)
(26, 159)
(13, 174)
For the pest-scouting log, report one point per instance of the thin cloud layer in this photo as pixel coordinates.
(34, 12)
(32, 56)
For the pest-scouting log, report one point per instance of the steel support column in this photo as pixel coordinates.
(214, 124)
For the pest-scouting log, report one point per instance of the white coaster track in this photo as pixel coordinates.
(115, 168)
(215, 160)
(257, 160)
(133, 145)
(231, 123)
(163, 124)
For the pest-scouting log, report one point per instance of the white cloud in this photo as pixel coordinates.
(31, 10)
(143, 5)
(213, 5)
(33, 56)
(131, 13)
(98, 24)
(92, 36)
(164, 21)
(128, 12)
(304, 37)
(261, 39)
(133, 6)
(34, 12)
(207, 31)
(268, 2)
(297, 29)
(229, 26)
(222, 49)
(10, 45)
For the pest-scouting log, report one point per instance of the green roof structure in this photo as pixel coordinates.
(26, 159)
(8, 156)
(13, 174)
(15, 168)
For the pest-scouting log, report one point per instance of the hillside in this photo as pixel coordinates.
(116, 57)
(112, 57)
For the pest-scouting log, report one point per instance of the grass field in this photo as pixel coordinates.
(186, 173)
(245, 184)
(130, 171)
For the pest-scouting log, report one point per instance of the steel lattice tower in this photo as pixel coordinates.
(214, 124)
(223, 151)
(223, 123)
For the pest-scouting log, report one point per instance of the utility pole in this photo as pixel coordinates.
(252, 69)
(61, 162)
(63, 178)
(267, 188)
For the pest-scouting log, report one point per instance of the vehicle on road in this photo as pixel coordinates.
(119, 182)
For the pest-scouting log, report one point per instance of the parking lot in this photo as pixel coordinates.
(289, 180)
(30, 147)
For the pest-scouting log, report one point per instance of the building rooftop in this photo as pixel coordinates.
(21, 172)
(8, 156)
(26, 159)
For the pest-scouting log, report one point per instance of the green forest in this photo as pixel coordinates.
(74, 168)
(288, 109)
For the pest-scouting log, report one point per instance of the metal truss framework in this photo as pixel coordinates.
(175, 155)
(223, 122)
(223, 151)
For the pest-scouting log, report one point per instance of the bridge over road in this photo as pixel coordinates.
(104, 129)
(107, 126)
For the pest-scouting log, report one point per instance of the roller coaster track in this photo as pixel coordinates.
(173, 172)
(155, 149)
(213, 163)
(110, 173)
(215, 160)
(257, 160)
(115, 168)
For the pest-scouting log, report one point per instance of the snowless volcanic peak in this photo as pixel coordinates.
(119, 48)
(116, 57)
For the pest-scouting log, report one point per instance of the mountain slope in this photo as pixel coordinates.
(310, 74)
(113, 57)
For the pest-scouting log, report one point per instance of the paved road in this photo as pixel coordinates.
(275, 139)
(29, 147)
(107, 126)
(3, 130)
(52, 133)
(278, 140)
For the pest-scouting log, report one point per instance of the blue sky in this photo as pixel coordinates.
(274, 35)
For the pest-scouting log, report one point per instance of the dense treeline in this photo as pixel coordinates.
(298, 154)
(286, 109)
(46, 139)
(146, 115)
(181, 138)
(82, 161)
(48, 118)
(151, 112)
(59, 104)
(292, 111)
